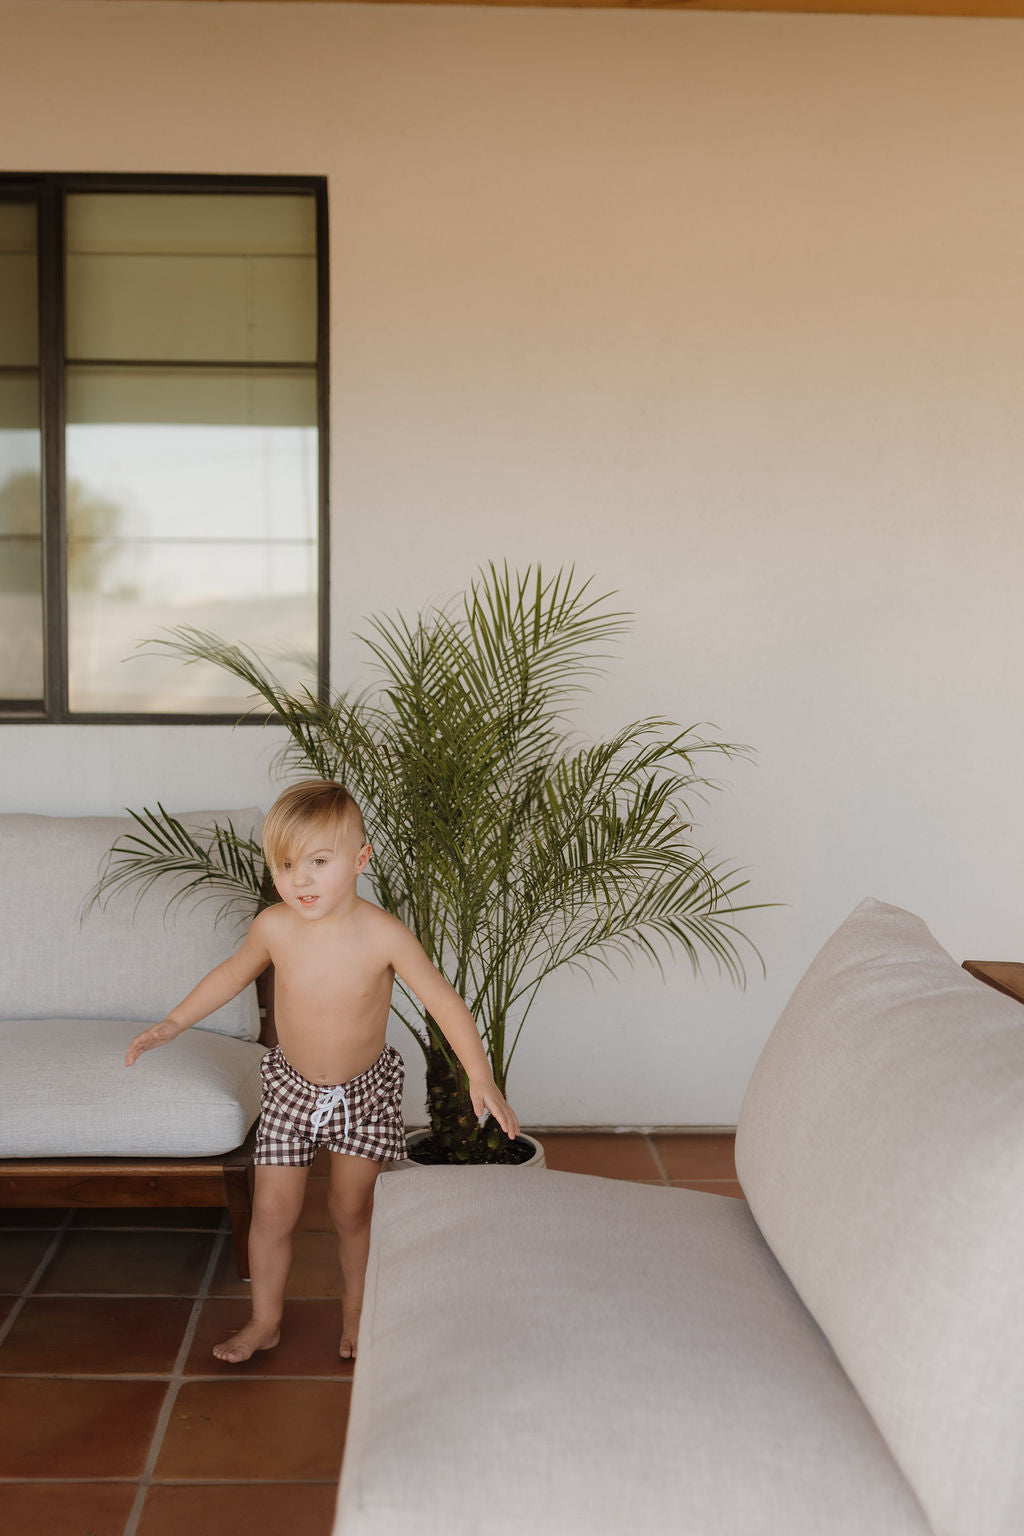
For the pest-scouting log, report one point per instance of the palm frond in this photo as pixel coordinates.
(213, 863)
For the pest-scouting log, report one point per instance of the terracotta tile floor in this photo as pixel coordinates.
(116, 1420)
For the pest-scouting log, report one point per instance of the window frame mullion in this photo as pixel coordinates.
(52, 422)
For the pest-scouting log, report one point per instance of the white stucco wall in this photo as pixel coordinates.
(724, 308)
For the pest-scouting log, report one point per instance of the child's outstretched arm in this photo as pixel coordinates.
(456, 1023)
(217, 987)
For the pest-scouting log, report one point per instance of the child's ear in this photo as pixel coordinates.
(365, 855)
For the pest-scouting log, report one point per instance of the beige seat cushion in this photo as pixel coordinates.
(881, 1146)
(559, 1355)
(65, 1091)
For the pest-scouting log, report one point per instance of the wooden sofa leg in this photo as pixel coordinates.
(238, 1182)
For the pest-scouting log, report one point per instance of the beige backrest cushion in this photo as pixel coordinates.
(125, 962)
(881, 1147)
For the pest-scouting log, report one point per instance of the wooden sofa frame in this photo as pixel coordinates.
(224, 1181)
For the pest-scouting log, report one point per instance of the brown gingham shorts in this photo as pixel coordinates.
(362, 1116)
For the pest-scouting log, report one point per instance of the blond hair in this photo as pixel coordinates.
(313, 805)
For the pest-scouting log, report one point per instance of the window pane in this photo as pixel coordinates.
(21, 579)
(281, 397)
(191, 278)
(19, 328)
(174, 520)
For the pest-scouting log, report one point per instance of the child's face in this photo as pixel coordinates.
(320, 878)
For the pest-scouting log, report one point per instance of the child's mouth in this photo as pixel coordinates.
(307, 901)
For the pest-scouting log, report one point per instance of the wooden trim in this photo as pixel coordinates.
(977, 9)
(122, 1184)
(1007, 976)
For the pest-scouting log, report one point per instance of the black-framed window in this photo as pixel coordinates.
(163, 439)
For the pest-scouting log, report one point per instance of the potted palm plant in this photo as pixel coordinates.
(507, 845)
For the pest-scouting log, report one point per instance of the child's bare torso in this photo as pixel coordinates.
(332, 991)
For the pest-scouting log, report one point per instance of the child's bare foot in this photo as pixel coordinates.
(246, 1342)
(349, 1335)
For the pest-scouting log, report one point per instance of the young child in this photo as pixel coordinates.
(331, 1081)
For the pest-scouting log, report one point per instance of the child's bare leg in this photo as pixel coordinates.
(276, 1208)
(350, 1201)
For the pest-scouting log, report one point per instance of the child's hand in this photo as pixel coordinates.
(157, 1034)
(486, 1098)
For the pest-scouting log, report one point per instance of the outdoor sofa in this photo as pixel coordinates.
(562, 1355)
(77, 1127)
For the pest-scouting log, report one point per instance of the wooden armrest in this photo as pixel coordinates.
(1007, 976)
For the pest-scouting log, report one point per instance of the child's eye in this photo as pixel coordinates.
(319, 861)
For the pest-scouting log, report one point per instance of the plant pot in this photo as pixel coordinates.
(415, 1138)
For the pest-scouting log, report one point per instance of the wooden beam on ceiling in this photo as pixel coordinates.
(992, 9)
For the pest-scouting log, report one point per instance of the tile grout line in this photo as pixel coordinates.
(652, 1144)
(190, 1482)
(698, 1178)
(119, 1296)
(174, 1384)
(193, 1376)
(35, 1277)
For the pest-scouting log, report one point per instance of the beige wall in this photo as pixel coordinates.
(724, 308)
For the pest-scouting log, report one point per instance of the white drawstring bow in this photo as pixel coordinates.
(325, 1107)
